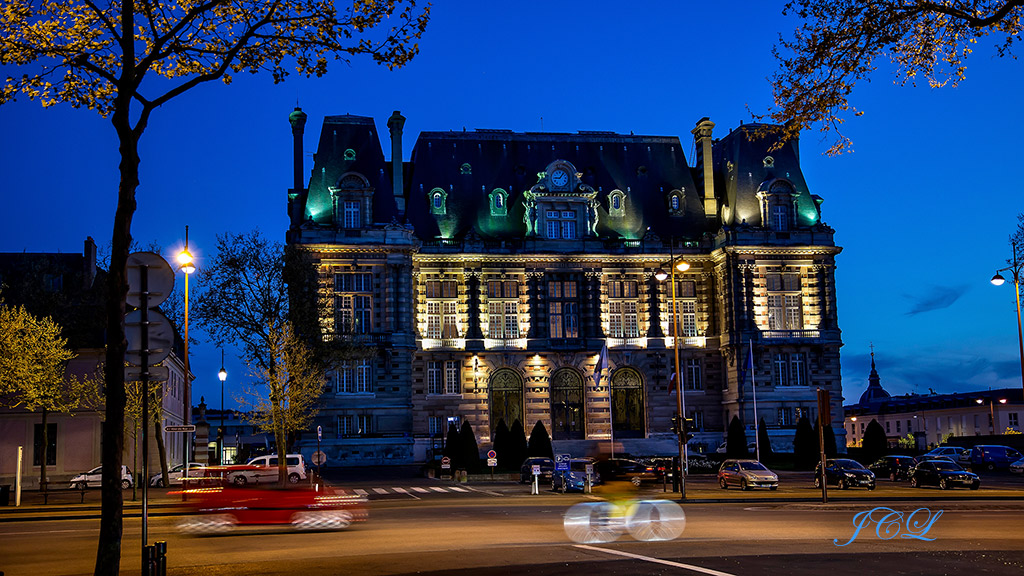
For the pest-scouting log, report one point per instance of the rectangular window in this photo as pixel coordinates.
(434, 319)
(450, 327)
(434, 378)
(451, 377)
(784, 302)
(503, 309)
(798, 370)
(698, 419)
(442, 309)
(780, 370)
(694, 380)
(354, 303)
(622, 309)
(801, 412)
(780, 217)
(561, 224)
(1012, 419)
(784, 416)
(352, 219)
(344, 425)
(363, 376)
(511, 319)
(344, 379)
(887, 430)
(503, 289)
(555, 327)
(897, 426)
(686, 310)
(563, 309)
(51, 445)
(435, 425)
(363, 422)
(569, 229)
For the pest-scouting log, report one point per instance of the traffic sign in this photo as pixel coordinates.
(446, 463)
(159, 278)
(319, 458)
(536, 470)
(492, 461)
(492, 454)
(562, 462)
(319, 433)
(156, 373)
(161, 335)
(180, 428)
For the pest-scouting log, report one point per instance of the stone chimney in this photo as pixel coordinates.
(89, 272)
(298, 121)
(702, 141)
(395, 124)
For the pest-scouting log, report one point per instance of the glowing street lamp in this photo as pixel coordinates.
(998, 280)
(991, 412)
(223, 375)
(661, 275)
(187, 266)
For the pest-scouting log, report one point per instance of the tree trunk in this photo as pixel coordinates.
(42, 463)
(282, 453)
(108, 551)
(162, 450)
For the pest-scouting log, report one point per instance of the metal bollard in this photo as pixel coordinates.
(148, 554)
(160, 564)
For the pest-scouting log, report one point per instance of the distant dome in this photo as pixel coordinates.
(875, 393)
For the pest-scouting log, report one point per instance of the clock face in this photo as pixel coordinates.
(559, 178)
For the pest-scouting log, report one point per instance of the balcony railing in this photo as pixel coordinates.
(692, 341)
(510, 343)
(789, 334)
(637, 341)
(432, 343)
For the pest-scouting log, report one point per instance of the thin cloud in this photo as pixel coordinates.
(936, 298)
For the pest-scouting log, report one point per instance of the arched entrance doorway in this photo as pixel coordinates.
(568, 412)
(627, 403)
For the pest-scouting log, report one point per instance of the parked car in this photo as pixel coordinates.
(1017, 467)
(944, 474)
(918, 459)
(894, 467)
(174, 474)
(263, 469)
(845, 473)
(575, 477)
(93, 478)
(547, 466)
(993, 456)
(751, 447)
(956, 453)
(624, 469)
(221, 508)
(746, 474)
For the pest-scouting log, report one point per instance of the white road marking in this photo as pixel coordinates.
(656, 560)
(458, 489)
(380, 491)
(360, 492)
(437, 489)
(420, 490)
(401, 490)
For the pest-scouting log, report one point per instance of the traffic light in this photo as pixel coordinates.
(687, 429)
(675, 424)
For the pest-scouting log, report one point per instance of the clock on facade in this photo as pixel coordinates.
(559, 178)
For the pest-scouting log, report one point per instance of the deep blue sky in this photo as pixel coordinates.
(923, 206)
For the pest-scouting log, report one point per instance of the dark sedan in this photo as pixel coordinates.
(623, 469)
(845, 473)
(944, 474)
(547, 466)
(894, 467)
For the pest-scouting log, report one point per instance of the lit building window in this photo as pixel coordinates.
(561, 224)
(694, 379)
(784, 416)
(451, 377)
(442, 309)
(563, 309)
(686, 309)
(784, 302)
(622, 309)
(434, 385)
(503, 309)
(353, 303)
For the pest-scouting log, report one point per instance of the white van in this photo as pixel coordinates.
(263, 469)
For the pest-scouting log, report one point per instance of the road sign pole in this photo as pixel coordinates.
(144, 308)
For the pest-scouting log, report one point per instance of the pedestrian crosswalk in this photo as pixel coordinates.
(412, 491)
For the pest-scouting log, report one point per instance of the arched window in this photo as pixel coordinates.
(675, 202)
(437, 201)
(498, 202)
(568, 408)
(627, 403)
(616, 202)
(506, 397)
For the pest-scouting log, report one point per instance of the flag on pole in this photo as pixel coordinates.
(748, 366)
(672, 383)
(601, 365)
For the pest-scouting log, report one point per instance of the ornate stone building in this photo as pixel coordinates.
(490, 271)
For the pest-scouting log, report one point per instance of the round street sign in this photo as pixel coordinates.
(319, 458)
(446, 462)
(492, 454)
(161, 335)
(159, 278)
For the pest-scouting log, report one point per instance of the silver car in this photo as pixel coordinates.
(174, 474)
(746, 474)
(93, 478)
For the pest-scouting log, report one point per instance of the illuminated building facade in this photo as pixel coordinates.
(490, 270)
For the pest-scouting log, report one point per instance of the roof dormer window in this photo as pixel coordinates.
(676, 202)
(499, 201)
(616, 203)
(438, 198)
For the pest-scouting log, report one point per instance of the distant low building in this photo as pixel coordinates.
(70, 288)
(930, 418)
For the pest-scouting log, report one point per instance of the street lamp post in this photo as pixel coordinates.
(681, 266)
(188, 267)
(998, 280)
(223, 375)
(991, 412)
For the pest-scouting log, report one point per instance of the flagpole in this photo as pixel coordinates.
(753, 384)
